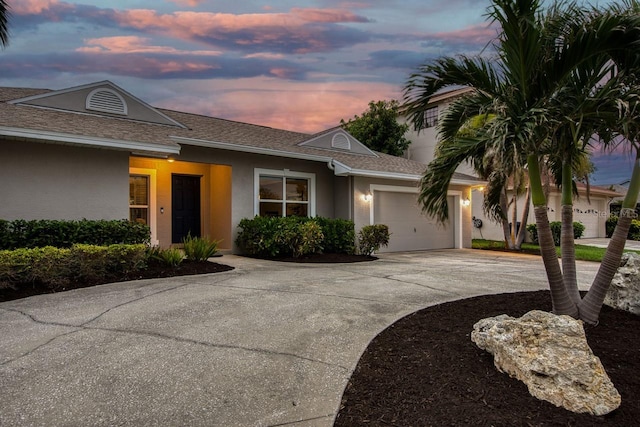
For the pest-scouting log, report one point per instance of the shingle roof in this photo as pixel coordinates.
(200, 128)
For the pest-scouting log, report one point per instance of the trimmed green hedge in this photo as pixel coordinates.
(556, 230)
(634, 229)
(64, 234)
(56, 268)
(271, 237)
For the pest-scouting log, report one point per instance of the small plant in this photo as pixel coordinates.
(199, 248)
(372, 237)
(171, 257)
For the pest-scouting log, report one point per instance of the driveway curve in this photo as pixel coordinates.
(267, 344)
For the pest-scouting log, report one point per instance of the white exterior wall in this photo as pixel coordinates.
(47, 181)
(592, 215)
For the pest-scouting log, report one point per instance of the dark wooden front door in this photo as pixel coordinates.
(185, 206)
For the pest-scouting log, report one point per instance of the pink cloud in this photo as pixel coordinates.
(191, 3)
(32, 7)
(298, 106)
(255, 27)
(476, 34)
(327, 15)
(134, 44)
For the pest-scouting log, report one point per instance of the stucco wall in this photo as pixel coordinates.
(593, 215)
(46, 181)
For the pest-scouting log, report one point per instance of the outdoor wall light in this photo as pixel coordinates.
(367, 197)
(465, 202)
(170, 159)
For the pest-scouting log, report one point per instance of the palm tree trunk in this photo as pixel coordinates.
(567, 242)
(505, 222)
(561, 302)
(525, 216)
(592, 302)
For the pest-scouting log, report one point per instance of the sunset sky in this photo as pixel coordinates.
(297, 65)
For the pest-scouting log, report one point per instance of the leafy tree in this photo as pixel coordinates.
(378, 128)
(546, 91)
(4, 27)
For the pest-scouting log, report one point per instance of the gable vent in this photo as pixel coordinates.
(107, 101)
(340, 140)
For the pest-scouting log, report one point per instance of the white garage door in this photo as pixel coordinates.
(410, 230)
(588, 215)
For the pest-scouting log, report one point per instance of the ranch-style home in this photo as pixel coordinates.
(98, 152)
(591, 210)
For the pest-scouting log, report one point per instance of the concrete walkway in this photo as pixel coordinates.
(268, 344)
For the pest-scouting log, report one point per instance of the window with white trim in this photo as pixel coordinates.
(284, 193)
(431, 117)
(139, 198)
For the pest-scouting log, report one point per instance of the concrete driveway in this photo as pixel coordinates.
(268, 344)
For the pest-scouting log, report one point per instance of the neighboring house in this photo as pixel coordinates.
(98, 152)
(591, 211)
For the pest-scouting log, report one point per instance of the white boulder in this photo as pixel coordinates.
(550, 354)
(624, 292)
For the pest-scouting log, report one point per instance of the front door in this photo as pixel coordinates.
(185, 206)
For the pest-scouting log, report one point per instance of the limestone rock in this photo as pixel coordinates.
(624, 292)
(551, 356)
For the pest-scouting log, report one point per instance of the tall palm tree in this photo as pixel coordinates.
(541, 56)
(4, 27)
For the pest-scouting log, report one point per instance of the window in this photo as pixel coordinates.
(285, 193)
(431, 117)
(139, 198)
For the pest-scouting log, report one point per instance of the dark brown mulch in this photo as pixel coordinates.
(425, 371)
(152, 271)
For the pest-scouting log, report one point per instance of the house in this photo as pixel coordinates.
(98, 152)
(591, 211)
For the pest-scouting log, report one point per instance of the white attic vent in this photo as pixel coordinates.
(107, 101)
(340, 140)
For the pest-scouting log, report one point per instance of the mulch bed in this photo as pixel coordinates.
(153, 271)
(425, 371)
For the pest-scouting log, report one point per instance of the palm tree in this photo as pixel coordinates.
(543, 59)
(4, 28)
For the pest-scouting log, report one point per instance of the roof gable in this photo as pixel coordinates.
(338, 139)
(101, 98)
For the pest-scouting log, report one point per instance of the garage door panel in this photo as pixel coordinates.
(410, 230)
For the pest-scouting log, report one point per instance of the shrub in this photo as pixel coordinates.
(302, 238)
(634, 228)
(259, 237)
(556, 231)
(55, 268)
(270, 237)
(372, 237)
(199, 248)
(64, 234)
(339, 235)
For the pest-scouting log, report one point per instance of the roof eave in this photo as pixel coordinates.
(86, 141)
(250, 149)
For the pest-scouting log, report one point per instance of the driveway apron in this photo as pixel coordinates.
(267, 344)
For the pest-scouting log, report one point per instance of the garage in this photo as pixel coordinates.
(589, 214)
(410, 230)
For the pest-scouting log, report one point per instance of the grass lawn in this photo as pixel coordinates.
(583, 252)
